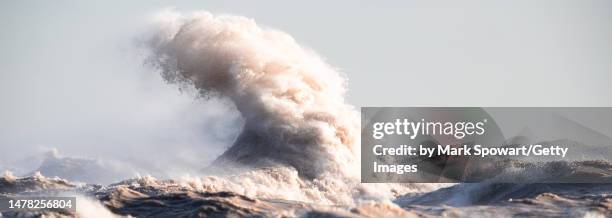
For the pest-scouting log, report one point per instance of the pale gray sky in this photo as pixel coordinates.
(70, 77)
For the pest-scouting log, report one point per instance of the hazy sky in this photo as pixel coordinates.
(71, 77)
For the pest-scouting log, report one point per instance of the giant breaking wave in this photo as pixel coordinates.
(292, 103)
(291, 100)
